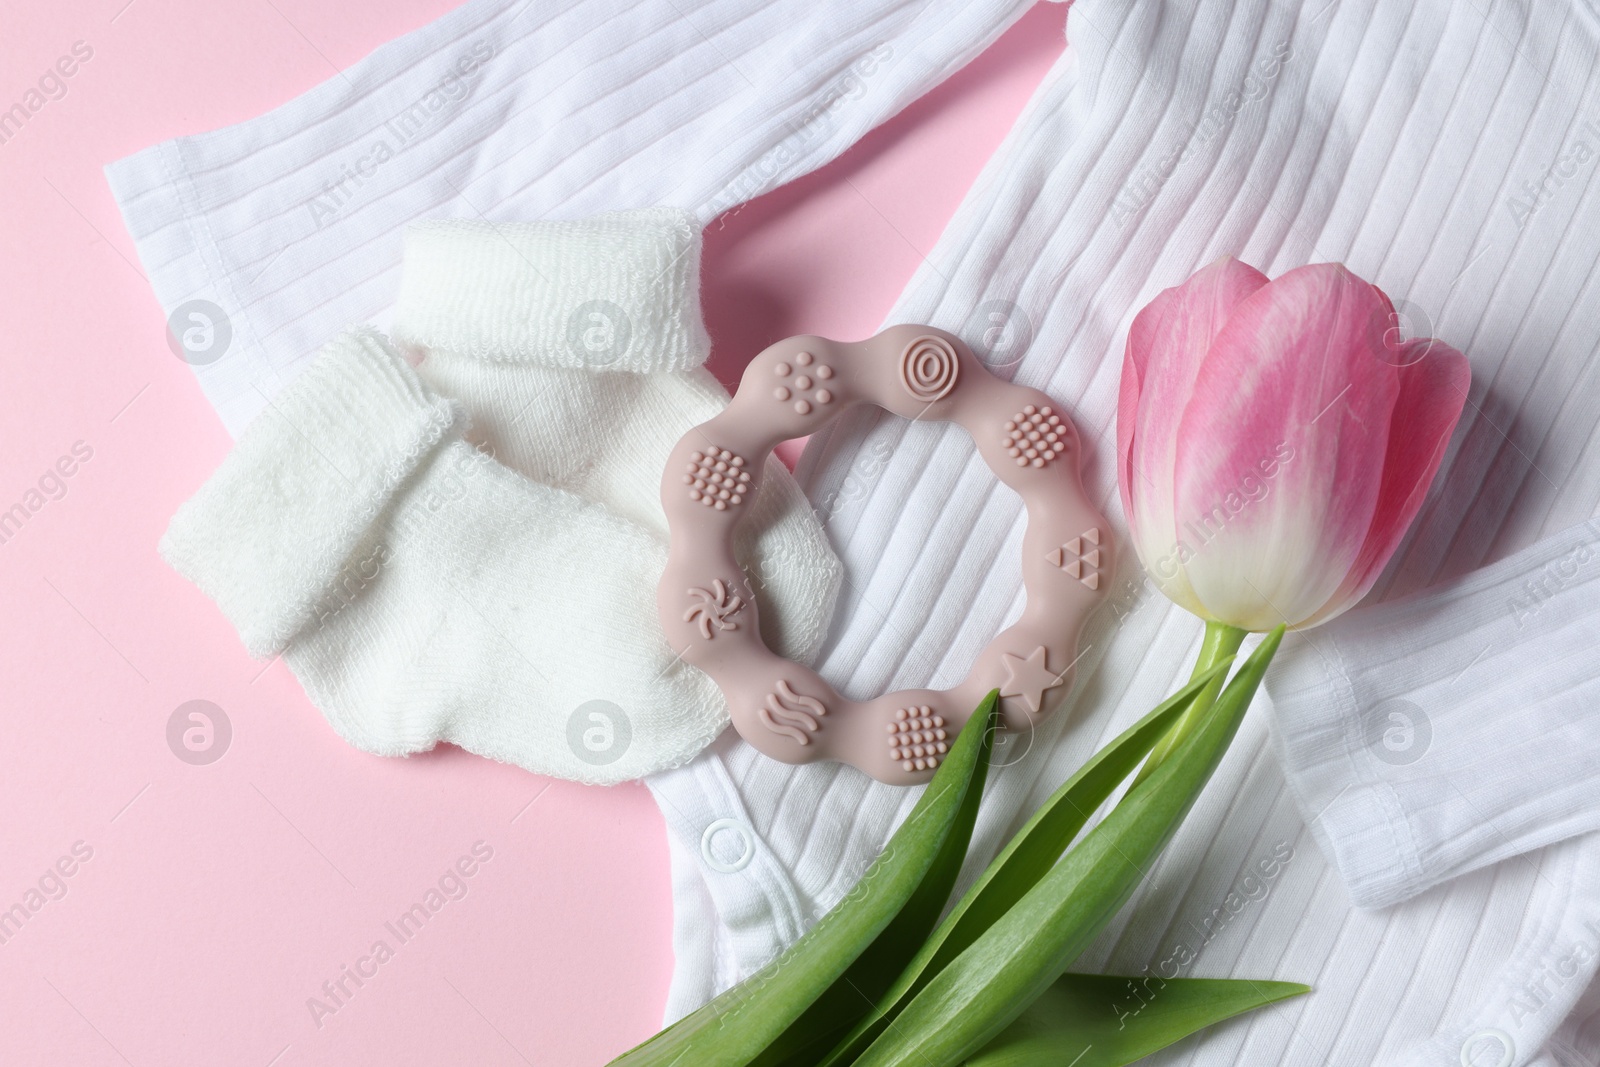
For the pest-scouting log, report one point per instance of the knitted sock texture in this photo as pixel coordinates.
(577, 349)
(422, 591)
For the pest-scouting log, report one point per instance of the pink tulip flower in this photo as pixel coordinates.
(1276, 438)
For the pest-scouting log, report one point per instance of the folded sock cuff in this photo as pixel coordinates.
(268, 535)
(618, 291)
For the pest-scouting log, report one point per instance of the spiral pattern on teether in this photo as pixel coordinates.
(929, 368)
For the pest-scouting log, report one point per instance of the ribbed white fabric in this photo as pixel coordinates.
(1440, 150)
(1445, 731)
(510, 110)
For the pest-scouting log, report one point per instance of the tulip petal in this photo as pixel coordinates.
(1142, 337)
(1434, 379)
(1167, 346)
(1301, 384)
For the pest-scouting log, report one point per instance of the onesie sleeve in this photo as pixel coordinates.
(282, 230)
(1438, 733)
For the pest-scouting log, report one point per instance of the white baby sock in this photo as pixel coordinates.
(577, 349)
(422, 591)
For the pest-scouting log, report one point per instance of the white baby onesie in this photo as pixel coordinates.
(1149, 132)
(283, 230)
(423, 591)
(1448, 152)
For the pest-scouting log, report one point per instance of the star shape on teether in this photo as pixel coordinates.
(1028, 678)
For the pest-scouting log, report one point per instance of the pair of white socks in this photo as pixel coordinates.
(501, 597)
(1430, 145)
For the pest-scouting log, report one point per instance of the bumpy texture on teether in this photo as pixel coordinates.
(708, 609)
(716, 478)
(1034, 436)
(917, 738)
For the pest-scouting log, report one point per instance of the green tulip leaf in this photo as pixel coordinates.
(980, 992)
(1092, 1020)
(876, 968)
(1025, 859)
(867, 937)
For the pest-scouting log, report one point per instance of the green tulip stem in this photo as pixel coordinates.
(1221, 642)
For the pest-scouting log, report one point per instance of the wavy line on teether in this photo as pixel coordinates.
(785, 713)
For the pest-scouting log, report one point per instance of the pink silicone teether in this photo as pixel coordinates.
(786, 710)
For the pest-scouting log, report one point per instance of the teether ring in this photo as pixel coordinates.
(791, 389)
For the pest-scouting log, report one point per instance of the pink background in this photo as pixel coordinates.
(219, 898)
